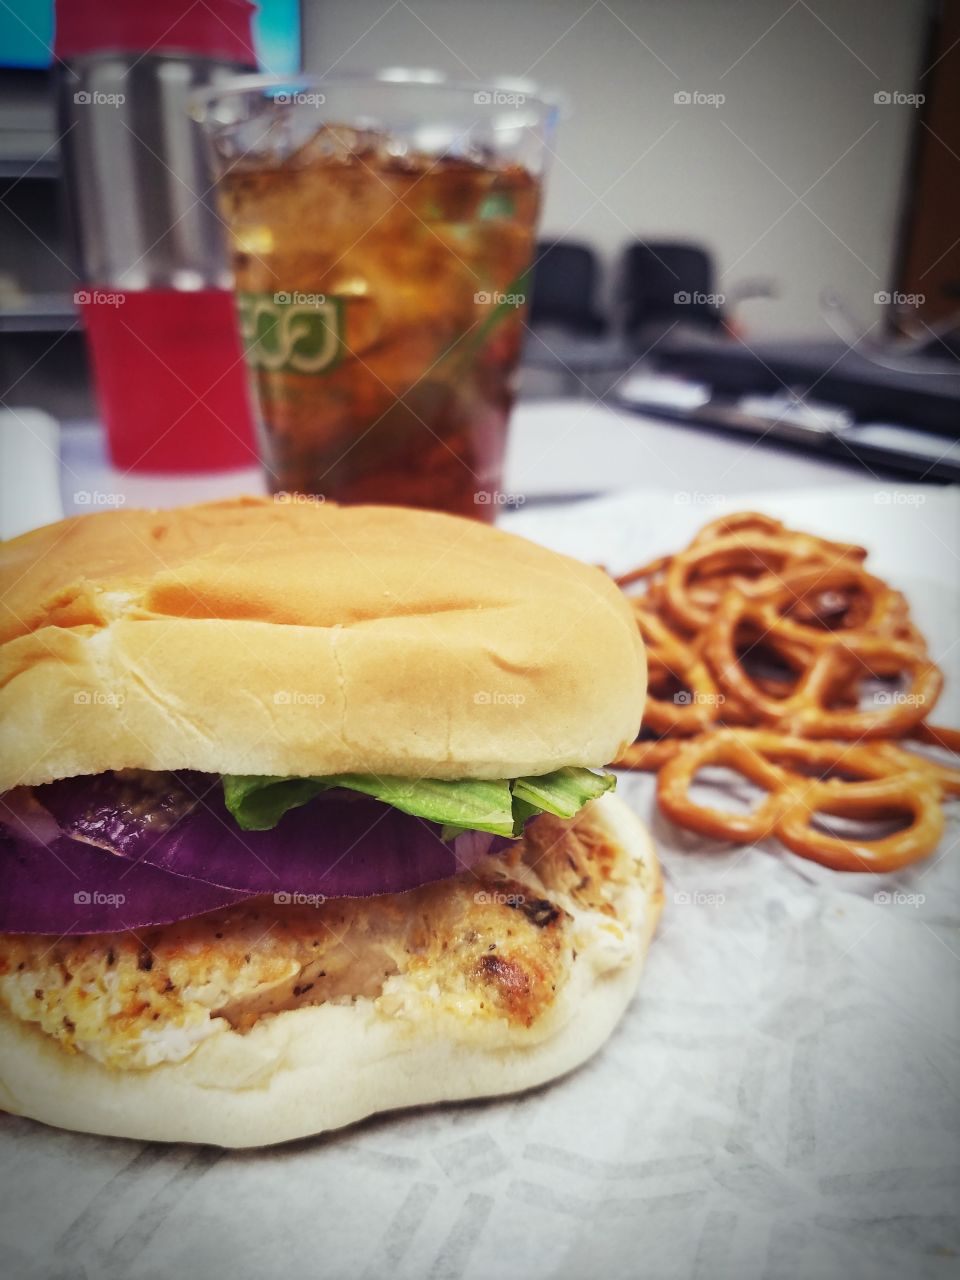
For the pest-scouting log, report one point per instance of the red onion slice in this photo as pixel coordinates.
(171, 836)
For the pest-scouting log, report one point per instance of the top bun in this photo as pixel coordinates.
(296, 637)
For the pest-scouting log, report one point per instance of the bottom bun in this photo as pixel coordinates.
(325, 1066)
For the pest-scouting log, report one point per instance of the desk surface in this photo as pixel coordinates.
(558, 449)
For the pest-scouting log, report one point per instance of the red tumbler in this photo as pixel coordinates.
(156, 297)
(170, 378)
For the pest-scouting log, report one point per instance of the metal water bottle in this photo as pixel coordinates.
(155, 294)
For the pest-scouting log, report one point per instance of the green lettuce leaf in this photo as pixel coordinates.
(476, 804)
(564, 792)
(468, 804)
(258, 802)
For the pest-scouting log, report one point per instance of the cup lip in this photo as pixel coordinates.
(401, 78)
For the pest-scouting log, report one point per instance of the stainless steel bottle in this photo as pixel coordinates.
(155, 298)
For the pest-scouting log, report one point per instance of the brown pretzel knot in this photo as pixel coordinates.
(648, 754)
(695, 580)
(643, 572)
(743, 522)
(738, 522)
(886, 781)
(936, 735)
(682, 697)
(812, 602)
(760, 626)
(946, 776)
(837, 662)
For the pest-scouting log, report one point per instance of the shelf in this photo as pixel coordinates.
(53, 314)
(20, 167)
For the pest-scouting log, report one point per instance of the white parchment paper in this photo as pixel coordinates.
(780, 1101)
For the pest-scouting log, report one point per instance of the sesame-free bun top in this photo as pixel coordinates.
(270, 637)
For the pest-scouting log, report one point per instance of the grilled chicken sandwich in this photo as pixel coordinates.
(304, 817)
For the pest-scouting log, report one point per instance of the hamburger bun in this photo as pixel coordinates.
(267, 637)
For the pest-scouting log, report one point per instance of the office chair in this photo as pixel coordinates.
(563, 288)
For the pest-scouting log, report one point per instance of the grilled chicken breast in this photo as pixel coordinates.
(488, 951)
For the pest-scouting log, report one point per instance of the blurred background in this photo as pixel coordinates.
(750, 210)
(794, 174)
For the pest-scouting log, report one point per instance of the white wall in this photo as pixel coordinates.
(799, 117)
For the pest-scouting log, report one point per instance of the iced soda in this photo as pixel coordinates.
(382, 296)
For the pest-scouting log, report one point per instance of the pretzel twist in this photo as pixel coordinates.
(695, 580)
(759, 626)
(882, 786)
(836, 661)
(682, 696)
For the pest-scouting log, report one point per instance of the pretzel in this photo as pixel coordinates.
(732, 561)
(742, 522)
(937, 736)
(883, 785)
(648, 754)
(837, 660)
(759, 626)
(695, 705)
(738, 521)
(946, 776)
(814, 601)
(802, 610)
(642, 573)
(745, 522)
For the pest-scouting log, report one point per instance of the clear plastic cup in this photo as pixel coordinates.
(381, 231)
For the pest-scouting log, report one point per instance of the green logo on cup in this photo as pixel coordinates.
(292, 332)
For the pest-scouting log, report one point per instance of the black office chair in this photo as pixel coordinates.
(563, 288)
(663, 283)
